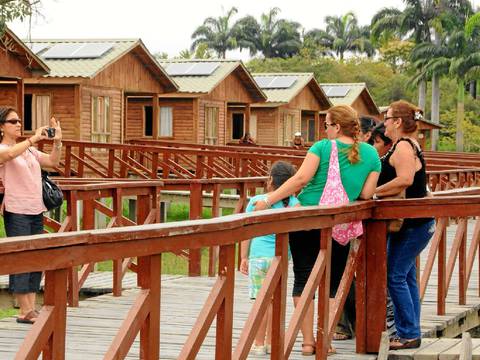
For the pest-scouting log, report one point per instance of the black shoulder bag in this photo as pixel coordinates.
(52, 194)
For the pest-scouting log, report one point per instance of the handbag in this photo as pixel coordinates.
(52, 194)
(334, 194)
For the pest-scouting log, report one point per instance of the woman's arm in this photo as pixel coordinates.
(404, 161)
(10, 153)
(369, 186)
(53, 159)
(244, 250)
(296, 182)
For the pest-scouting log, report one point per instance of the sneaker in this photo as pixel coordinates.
(268, 349)
(258, 350)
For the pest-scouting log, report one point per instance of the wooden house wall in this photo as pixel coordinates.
(8, 95)
(62, 106)
(10, 65)
(128, 73)
(305, 100)
(267, 125)
(231, 89)
(134, 118)
(363, 109)
(283, 113)
(116, 102)
(183, 118)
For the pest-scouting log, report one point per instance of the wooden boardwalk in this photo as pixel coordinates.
(92, 326)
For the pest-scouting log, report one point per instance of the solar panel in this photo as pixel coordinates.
(282, 82)
(338, 91)
(77, 51)
(203, 68)
(92, 50)
(264, 81)
(177, 69)
(37, 47)
(326, 89)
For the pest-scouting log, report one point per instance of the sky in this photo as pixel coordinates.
(167, 26)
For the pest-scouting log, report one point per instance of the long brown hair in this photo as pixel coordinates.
(4, 112)
(409, 114)
(347, 118)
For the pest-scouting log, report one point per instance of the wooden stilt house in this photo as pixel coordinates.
(89, 85)
(294, 101)
(211, 106)
(17, 62)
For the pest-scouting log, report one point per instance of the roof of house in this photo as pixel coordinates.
(353, 92)
(206, 83)
(281, 96)
(89, 67)
(30, 59)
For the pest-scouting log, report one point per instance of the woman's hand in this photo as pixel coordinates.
(244, 266)
(54, 123)
(40, 134)
(260, 205)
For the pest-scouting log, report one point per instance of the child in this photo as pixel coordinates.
(258, 253)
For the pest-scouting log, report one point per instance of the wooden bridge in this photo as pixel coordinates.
(68, 256)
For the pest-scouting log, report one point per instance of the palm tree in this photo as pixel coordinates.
(216, 33)
(272, 37)
(421, 21)
(458, 56)
(343, 34)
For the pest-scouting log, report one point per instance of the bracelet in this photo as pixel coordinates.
(30, 141)
(58, 146)
(265, 200)
(375, 197)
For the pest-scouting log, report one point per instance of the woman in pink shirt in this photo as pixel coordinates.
(20, 173)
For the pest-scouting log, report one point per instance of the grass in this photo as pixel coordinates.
(5, 313)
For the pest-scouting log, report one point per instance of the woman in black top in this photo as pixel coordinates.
(403, 169)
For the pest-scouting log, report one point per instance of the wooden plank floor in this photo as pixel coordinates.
(92, 326)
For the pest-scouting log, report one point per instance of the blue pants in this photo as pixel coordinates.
(21, 225)
(402, 250)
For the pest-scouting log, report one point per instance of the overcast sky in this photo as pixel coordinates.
(167, 26)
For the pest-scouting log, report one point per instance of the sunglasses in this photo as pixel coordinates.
(389, 117)
(326, 125)
(14, 121)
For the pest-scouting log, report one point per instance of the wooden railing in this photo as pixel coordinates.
(55, 254)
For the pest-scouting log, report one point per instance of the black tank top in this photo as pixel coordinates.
(419, 187)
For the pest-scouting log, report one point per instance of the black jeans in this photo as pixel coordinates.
(305, 246)
(22, 225)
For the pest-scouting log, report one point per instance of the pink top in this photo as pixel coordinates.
(22, 180)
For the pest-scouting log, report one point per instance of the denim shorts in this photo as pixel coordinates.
(22, 225)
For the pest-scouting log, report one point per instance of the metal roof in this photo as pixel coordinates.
(355, 90)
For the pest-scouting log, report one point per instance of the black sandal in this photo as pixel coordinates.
(405, 343)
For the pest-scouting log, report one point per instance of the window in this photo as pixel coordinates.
(308, 130)
(101, 126)
(165, 127)
(147, 121)
(288, 129)
(37, 111)
(237, 126)
(211, 125)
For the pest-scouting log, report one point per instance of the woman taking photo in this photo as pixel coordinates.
(20, 173)
(403, 168)
(359, 167)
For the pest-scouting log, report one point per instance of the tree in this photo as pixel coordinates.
(16, 9)
(201, 52)
(216, 33)
(272, 37)
(342, 34)
(457, 56)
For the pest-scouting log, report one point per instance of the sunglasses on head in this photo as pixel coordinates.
(14, 121)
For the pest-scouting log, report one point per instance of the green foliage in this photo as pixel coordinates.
(9, 312)
(396, 53)
(16, 9)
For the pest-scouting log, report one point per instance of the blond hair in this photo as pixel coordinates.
(347, 118)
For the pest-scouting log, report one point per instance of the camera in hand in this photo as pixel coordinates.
(50, 132)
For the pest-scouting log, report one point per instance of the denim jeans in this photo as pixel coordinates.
(402, 250)
(21, 225)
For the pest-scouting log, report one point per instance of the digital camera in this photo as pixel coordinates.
(50, 132)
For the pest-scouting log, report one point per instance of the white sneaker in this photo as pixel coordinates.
(258, 350)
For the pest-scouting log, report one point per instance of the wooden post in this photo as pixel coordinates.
(247, 118)
(442, 279)
(155, 117)
(279, 299)
(213, 250)
(81, 155)
(117, 263)
(324, 296)
(194, 264)
(376, 280)
(149, 277)
(361, 301)
(56, 296)
(20, 100)
(73, 271)
(223, 348)
(317, 125)
(462, 265)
